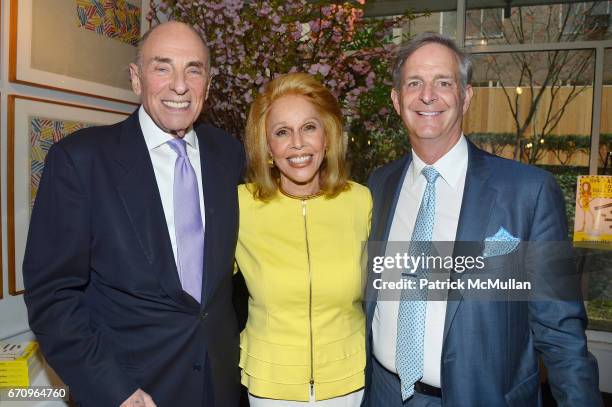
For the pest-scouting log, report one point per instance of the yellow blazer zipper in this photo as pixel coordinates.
(309, 300)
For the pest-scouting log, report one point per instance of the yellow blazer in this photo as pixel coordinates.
(303, 261)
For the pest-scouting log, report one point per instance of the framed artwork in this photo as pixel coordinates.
(33, 126)
(79, 46)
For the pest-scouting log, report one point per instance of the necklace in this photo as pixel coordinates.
(300, 197)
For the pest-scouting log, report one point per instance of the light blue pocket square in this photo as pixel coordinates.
(500, 243)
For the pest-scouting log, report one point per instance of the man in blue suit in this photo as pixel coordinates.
(128, 265)
(465, 352)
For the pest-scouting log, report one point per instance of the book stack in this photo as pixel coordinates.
(19, 363)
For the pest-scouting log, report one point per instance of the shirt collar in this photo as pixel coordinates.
(451, 165)
(155, 137)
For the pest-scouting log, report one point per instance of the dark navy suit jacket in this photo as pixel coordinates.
(102, 290)
(491, 348)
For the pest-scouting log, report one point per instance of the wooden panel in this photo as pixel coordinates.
(490, 113)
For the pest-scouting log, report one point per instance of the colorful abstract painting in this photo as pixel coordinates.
(112, 18)
(43, 134)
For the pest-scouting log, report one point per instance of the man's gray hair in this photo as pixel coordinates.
(406, 50)
(143, 40)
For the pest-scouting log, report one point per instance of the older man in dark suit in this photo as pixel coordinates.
(129, 257)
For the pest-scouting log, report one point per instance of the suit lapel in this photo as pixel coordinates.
(392, 188)
(213, 180)
(380, 235)
(138, 189)
(476, 207)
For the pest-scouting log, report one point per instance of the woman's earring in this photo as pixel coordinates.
(270, 162)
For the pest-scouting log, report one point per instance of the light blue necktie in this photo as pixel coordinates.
(413, 305)
(188, 226)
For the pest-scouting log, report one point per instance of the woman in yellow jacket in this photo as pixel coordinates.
(303, 228)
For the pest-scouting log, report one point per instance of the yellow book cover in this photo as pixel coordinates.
(593, 220)
(11, 382)
(19, 363)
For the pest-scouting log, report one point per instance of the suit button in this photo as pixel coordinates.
(203, 316)
(197, 367)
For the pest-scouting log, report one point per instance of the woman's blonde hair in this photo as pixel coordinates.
(333, 173)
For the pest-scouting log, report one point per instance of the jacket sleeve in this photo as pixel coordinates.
(559, 325)
(56, 272)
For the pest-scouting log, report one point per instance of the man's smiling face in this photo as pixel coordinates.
(429, 99)
(171, 77)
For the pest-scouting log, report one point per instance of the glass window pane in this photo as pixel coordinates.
(605, 135)
(539, 23)
(481, 24)
(473, 24)
(599, 306)
(536, 107)
(440, 17)
(444, 22)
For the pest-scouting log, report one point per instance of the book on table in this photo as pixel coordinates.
(19, 363)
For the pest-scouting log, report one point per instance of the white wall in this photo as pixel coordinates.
(600, 345)
(13, 316)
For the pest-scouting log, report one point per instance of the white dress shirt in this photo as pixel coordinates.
(163, 159)
(449, 194)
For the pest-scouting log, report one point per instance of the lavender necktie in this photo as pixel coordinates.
(188, 226)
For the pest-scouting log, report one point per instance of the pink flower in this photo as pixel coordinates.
(370, 79)
(264, 11)
(315, 26)
(251, 42)
(314, 69)
(324, 69)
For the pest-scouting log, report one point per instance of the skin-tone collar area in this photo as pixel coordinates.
(431, 151)
(156, 137)
(300, 197)
(449, 166)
